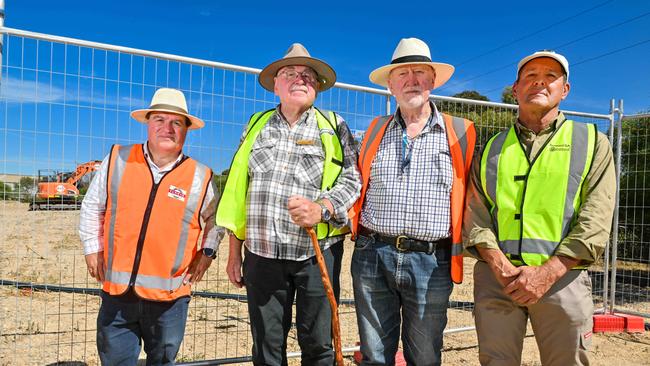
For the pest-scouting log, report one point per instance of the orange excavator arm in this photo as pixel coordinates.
(82, 170)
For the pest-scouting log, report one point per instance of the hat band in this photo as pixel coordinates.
(410, 58)
(168, 107)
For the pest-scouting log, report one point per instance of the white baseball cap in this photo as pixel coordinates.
(545, 53)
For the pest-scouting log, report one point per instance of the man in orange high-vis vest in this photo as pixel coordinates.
(407, 222)
(140, 224)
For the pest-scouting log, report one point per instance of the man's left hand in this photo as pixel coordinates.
(533, 282)
(200, 264)
(304, 212)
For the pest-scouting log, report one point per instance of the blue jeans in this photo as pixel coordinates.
(390, 286)
(125, 321)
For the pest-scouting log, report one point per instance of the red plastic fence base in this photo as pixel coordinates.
(618, 323)
(399, 358)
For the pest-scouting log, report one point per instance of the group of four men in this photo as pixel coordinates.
(411, 194)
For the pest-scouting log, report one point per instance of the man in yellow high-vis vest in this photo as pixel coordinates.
(295, 168)
(539, 212)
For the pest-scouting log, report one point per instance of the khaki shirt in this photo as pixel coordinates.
(589, 234)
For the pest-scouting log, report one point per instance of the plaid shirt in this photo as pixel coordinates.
(413, 198)
(280, 167)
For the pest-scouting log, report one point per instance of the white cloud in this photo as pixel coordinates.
(30, 91)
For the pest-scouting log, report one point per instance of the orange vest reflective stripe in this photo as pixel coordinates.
(462, 138)
(151, 231)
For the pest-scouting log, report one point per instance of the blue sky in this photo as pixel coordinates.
(357, 36)
(606, 42)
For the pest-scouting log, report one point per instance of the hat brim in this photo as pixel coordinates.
(326, 74)
(444, 71)
(140, 115)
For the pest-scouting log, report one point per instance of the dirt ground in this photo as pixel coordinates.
(50, 326)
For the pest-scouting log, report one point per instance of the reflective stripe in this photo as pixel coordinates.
(579, 153)
(532, 246)
(193, 200)
(149, 282)
(461, 135)
(114, 186)
(372, 135)
(456, 249)
(492, 167)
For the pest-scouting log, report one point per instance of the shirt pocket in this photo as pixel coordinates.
(443, 170)
(262, 157)
(309, 170)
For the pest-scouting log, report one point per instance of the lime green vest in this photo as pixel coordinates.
(231, 213)
(534, 203)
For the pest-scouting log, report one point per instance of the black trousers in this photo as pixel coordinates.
(271, 286)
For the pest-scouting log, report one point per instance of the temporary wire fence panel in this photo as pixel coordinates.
(632, 268)
(64, 103)
(61, 105)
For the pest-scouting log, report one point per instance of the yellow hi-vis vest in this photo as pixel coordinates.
(533, 204)
(231, 213)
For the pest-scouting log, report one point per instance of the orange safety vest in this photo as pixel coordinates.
(462, 138)
(151, 230)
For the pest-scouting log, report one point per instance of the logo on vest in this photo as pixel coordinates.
(177, 193)
(560, 147)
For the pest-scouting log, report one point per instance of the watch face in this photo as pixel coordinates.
(209, 252)
(325, 213)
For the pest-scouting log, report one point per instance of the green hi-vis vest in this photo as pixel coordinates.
(231, 213)
(533, 203)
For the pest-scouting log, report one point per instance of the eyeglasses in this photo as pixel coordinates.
(307, 76)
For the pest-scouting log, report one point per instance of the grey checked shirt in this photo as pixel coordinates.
(288, 161)
(414, 201)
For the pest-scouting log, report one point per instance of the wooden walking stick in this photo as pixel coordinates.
(336, 330)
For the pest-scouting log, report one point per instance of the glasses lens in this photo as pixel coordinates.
(307, 76)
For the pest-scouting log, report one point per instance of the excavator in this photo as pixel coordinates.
(58, 190)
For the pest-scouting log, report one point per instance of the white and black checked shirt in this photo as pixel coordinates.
(288, 161)
(415, 201)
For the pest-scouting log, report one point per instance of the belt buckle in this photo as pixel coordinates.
(398, 243)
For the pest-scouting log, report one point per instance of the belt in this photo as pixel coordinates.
(406, 244)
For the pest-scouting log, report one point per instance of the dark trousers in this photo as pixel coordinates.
(271, 285)
(125, 321)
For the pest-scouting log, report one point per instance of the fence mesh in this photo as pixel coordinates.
(632, 268)
(62, 105)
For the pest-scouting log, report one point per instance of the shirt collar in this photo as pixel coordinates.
(305, 117)
(436, 120)
(557, 122)
(169, 166)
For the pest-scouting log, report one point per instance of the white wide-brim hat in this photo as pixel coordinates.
(412, 51)
(297, 55)
(169, 101)
(545, 53)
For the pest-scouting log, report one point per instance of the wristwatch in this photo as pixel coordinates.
(325, 214)
(209, 252)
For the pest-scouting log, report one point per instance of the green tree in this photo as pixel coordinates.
(6, 192)
(634, 200)
(220, 180)
(507, 96)
(471, 94)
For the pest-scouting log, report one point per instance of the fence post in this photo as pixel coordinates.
(608, 246)
(619, 148)
(2, 37)
(387, 102)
